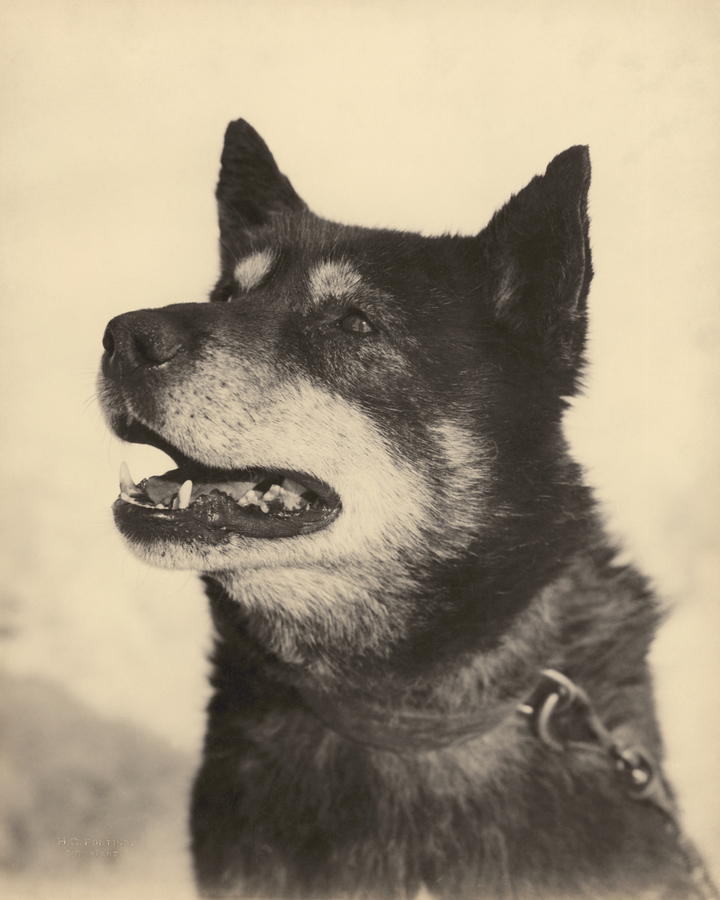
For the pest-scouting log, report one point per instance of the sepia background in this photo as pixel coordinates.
(417, 115)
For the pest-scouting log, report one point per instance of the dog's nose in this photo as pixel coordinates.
(146, 338)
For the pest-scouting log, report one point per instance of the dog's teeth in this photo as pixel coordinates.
(183, 496)
(293, 487)
(126, 482)
(127, 485)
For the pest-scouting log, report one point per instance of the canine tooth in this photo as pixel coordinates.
(127, 485)
(183, 496)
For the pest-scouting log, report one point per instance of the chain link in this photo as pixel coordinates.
(555, 695)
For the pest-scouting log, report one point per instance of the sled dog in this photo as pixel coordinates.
(429, 671)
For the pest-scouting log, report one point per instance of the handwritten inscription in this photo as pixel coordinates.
(93, 846)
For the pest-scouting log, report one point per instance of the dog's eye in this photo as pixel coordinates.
(356, 322)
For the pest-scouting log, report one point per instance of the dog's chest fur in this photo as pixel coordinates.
(319, 812)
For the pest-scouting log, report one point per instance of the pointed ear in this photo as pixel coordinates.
(539, 254)
(251, 189)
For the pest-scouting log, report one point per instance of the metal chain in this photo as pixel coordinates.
(557, 694)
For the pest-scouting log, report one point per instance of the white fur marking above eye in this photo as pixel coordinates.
(251, 270)
(333, 279)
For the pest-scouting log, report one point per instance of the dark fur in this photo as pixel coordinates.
(345, 759)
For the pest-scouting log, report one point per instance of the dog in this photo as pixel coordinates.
(429, 672)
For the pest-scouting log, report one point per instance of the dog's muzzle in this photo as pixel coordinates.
(144, 352)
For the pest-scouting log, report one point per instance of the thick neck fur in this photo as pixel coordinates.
(402, 815)
(592, 619)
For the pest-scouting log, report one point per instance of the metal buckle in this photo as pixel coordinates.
(556, 693)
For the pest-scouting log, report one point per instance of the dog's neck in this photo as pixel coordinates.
(593, 619)
(403, 729)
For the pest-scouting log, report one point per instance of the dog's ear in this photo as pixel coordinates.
(251, 189)
(539, 256)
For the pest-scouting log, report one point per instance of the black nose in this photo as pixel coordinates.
(146, 338)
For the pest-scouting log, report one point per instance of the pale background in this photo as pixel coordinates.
(419, 115)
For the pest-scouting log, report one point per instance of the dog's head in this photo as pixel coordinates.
(359, 416)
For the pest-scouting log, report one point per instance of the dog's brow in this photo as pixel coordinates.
(251, 270)
(333, 279)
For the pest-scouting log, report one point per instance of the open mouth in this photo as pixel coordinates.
(195, 500)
